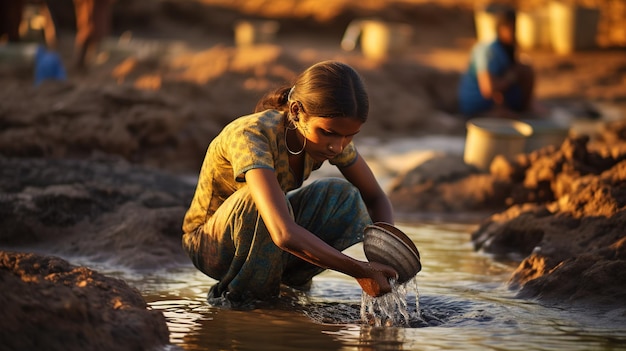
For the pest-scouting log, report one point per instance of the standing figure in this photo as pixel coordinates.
(495, 78)
(93, 22)
(253, 225)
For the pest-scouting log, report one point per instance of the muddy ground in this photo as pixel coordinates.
(159, 97)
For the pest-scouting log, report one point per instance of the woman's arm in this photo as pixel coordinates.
(489, 59)
(492, 87)
(377, 202)
(289, 236)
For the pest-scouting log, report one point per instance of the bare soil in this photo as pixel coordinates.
(160, 98)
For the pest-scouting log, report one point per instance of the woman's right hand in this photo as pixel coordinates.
(376, 282)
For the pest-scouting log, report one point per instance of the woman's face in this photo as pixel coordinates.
(326, 137)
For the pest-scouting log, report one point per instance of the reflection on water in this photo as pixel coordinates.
(463, 305)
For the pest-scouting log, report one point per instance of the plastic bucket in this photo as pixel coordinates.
(572, 27)
(381, 39)
(488, 137)
(533, 29)
(545, 132)
(255, 32)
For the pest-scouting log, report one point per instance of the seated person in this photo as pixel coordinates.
(496, 80)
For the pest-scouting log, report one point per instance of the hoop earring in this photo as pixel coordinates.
(287, 128)
(292, 124)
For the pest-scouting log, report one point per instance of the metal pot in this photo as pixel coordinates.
(384, 243)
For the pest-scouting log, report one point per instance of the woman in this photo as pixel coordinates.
(252, 226)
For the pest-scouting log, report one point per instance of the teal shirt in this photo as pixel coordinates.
(491, 57)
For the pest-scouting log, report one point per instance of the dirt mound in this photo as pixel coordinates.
(103, 210)
(52, 305)
(565, 210)
(165, 111)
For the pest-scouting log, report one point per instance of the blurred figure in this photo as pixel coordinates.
(496, 81)
(47, 63)
(13, 24)
(93, 21)
(10, 19)
(48, 66)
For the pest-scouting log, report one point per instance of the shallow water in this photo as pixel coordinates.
(463, 305)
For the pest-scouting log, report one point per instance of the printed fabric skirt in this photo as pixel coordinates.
(235, 248)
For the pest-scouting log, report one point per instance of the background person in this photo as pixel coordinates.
(93, 22)
(253, 226)
(496, 80)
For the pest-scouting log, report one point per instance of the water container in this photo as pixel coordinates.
(572, 27)
(545, 132)
(533, 29)
(382, 39)
(488, 137)
(255, 32)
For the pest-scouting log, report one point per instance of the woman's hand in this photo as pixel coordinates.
(376, 282)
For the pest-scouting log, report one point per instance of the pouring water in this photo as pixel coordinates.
(391, 310)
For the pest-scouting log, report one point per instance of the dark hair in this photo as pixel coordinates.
(326, 89)
(506, 17)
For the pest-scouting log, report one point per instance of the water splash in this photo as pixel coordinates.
(391, 309)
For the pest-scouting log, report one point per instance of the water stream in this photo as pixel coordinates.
(463, 305)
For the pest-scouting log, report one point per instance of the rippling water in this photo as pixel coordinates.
(463, 305)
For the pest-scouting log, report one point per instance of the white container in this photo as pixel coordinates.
(485, 23)
(545, 132)
(382, 39)
(488, 137)
(255, 32)
(572, 27)
(532, 29)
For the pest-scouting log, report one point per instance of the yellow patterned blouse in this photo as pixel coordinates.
(253, 141)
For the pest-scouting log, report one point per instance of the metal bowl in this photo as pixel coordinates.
(384, 243)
